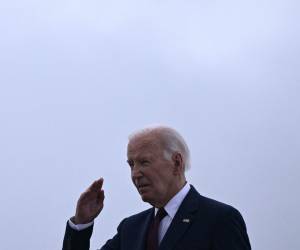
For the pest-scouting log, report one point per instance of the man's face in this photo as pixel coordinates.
(151, 173)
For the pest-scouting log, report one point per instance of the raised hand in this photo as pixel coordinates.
(90, 203)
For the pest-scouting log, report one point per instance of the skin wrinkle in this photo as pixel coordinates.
(156, 178)
(170, 140)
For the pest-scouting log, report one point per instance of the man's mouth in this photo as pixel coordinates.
(142, 186)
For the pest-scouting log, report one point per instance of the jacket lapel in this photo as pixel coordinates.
(182, 220)
(141, 238)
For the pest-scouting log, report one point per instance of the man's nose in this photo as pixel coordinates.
(136, 172)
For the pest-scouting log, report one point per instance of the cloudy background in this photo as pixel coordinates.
(76, 77)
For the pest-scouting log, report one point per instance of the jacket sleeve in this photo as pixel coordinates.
(77, 240)
(231, 233)
(80, 240)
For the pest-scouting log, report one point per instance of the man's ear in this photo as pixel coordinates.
(178, 163)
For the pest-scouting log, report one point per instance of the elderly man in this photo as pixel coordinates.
(180, 218)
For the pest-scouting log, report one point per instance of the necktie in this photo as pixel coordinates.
(152, 239)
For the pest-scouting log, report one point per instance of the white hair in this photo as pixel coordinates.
(171, 140)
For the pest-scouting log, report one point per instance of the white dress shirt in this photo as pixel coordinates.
(171, 208)
(80, 227)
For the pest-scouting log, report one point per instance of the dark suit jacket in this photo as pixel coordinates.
(199, 224)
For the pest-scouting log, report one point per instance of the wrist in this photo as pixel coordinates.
(76, 220)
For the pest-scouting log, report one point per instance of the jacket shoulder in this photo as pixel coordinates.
(212, 208)
(141, 216)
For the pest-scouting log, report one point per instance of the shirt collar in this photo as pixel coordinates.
(172, 206)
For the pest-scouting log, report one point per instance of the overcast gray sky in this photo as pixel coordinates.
(76, 77)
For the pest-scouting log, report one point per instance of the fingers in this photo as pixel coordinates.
(96, 185)
(100, 197)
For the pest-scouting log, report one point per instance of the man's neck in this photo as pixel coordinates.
(172, 194)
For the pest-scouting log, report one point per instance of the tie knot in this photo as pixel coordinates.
(161, 213)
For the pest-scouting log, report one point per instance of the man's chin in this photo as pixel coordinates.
(145, 197)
